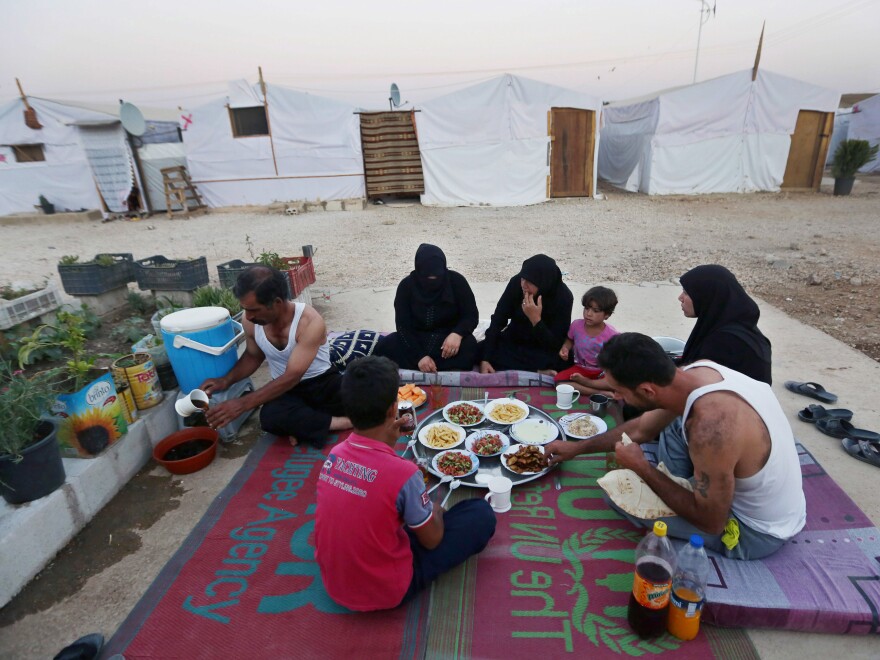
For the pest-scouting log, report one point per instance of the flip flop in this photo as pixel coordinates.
(840, 428)
(813, 413)
(862, 450)
(812, 390)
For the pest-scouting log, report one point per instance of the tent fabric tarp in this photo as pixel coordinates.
(316, 142)
(155, 157)
(488, 144)
(864, 124)
(729, 134)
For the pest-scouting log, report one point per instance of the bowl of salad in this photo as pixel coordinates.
(455, 463)
(463, 413)
(485, 443)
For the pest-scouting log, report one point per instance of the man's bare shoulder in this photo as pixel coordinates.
(311, 323)
(714, 419)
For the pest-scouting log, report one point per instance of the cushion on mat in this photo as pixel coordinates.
(351, 345)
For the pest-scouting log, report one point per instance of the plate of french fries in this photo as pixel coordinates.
(506, 411)
(415, 395)
(441, 435)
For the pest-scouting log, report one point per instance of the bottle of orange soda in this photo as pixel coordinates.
(688, 590)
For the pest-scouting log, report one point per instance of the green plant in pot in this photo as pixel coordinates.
(849, 157)
(30, 458)
(87, 407)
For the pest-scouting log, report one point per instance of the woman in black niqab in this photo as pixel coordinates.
(531, 320)
(435, 313)
(726, 331)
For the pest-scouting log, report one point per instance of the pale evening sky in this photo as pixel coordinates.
(164, 53)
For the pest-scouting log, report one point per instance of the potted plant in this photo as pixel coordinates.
(849, 157)
(30, 459)
(104, 273)
(87, 407)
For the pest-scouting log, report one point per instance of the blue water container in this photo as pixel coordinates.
(201, 343)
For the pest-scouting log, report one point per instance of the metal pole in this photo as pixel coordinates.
(704, 7)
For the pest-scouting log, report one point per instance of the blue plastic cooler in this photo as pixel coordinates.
(201, 343)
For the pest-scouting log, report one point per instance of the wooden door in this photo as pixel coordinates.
(809, 147)
(392, 162)
(572, 142)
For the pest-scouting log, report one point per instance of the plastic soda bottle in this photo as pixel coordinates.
(652, 583)
(688, 590)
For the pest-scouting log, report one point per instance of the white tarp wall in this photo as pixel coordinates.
(111, 162)
(728, 134)
(64, 178)
(155, 157)
(488, 144)
(316, 141)
(864, 124)
(839, 133)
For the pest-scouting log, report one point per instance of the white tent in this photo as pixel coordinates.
(864, 124)
(488, 144)
(841, 132)
(729, 134)
(78, 152)
(302, 147)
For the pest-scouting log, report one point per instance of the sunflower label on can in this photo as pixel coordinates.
(91, 419)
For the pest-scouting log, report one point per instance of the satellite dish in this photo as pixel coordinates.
(394, 98)
(132, 119)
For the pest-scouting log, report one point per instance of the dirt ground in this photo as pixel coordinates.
(813, 256)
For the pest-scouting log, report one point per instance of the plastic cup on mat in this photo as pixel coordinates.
(566, 396)
(499, 494)
(195, 401)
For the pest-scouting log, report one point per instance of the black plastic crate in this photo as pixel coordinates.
(230, 271)
(91, 279)
(163, 274)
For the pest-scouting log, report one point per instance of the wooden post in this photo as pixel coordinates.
(268, 120)
(30, 115)
(758, 54)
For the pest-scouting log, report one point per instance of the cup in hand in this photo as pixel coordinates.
(566, 395)
(599, 404)
(499, 494)
(195, 401)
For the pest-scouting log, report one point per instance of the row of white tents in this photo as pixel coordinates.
(507, 141)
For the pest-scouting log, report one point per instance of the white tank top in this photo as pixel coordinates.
(772, 500)
(278, 359)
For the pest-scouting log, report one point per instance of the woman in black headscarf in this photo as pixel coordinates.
(435, 313)
(726, 331)
(531, 320)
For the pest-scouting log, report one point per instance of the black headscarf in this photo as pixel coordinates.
(722, 306)
(543, 272)
(430, 263)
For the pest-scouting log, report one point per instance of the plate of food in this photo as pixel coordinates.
(524, 459)
(415, 395)
(486, 442)
(455, 463)
(441, 435)
(463, 413)
(506, 411)
(581, 426)
(534, 431)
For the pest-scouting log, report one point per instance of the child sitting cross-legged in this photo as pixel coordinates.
(586, 337)
(379, 539)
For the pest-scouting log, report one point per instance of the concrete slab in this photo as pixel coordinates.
(106, 302)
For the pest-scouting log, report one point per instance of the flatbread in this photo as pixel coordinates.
(627, 490)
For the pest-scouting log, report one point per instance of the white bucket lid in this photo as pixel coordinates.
(196, 318)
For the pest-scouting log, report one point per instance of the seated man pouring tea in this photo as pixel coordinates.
(747, 496)
(302, 400)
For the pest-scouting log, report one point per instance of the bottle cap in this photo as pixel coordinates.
(696, 540)
(660, 528)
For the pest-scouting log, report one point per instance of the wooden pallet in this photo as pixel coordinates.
(180, 192)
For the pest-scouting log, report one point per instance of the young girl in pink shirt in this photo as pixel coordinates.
(586, 337)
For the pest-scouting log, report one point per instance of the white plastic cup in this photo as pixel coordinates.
(498, 496)
(190, 403)
(566, 395)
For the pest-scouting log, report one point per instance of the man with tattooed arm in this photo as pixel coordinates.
(738, 449)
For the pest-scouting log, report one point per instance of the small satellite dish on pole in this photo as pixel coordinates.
(132, 119)
(394, 98)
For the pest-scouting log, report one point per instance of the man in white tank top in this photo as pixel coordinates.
(302, 401)
(747, 497)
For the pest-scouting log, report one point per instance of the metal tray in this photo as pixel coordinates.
(490, 466)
